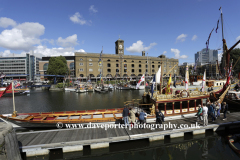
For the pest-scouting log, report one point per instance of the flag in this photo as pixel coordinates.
(195, 64)
(207, 43)
(153, 85)
(141, 80)
(158, 75)
(8, 88)
(168, 85)
(2, 75)
(174, 84)
(146, 84)
(17, 85)
(203, 81)
(186, 79)
(220, 8)
(217, 26)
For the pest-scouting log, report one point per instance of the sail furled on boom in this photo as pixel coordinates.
(217, 26)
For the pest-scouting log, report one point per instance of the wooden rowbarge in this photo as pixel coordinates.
(50, 119)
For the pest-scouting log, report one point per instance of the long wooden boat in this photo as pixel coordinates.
(232, 140)
(50, 119)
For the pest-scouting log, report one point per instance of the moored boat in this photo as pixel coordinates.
(232, 141)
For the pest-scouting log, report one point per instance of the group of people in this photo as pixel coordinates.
(130, 117)
(212, 109)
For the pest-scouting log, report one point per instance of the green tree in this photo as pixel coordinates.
(235, 54)
(57, 66)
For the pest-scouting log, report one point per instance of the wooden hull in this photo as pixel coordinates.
(231, 141)
(50, 119)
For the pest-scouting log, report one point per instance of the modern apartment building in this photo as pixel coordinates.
(206, 56)
(24, 68)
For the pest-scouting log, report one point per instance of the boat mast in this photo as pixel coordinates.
(14, 112)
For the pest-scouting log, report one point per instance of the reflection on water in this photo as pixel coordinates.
(47, 101)
(201, 147)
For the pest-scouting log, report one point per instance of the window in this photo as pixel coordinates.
(132, 70)
(45, 66)
(139, 61)
(153, 70)
(139, 65)
(125, 61)
(132, 61)
(81, 59)
(146, 61)
(146, 66)
(125, 65)
(90, 70)
(152, 66)
(132, 65)
(109, 70)
(81, 69)
(125, 70)
(108, 60)
(81, 64)
(159, 62)
(90, 59)
(146, 70)
(152, 62)
(90, 64)
(117, 65)
(117, 70)
(108, 65)
(116, 60)
(140, 70)
(71, 66)
(158, 66)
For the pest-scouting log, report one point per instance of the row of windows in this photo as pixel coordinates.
(17, 61)
(124, 61)
(12, 67)
(125, 65)
(117, 70)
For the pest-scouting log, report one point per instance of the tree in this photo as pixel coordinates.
(57, 66)
(235, 54)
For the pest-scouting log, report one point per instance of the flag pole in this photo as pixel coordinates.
(14, 112)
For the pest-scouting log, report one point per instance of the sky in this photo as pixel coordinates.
(176, 28)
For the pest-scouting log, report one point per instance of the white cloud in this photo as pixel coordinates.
(139, 47)
(181, 38)
(51, 41)
(77, 18)
(220, 57)
(43, 51)
(194, 37)
(68, 42)
(5, 22)
(164, 52)
(92, 9)
(7, 53)
(22, 36)
(177, 54)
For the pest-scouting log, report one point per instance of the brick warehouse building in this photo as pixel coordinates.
(120, 65)
(85, 65)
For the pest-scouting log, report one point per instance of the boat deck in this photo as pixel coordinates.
(32, 142)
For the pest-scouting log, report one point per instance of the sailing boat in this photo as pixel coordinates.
(185, 101)
(101, 88)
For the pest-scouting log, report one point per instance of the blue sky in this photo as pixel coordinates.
(176, 28)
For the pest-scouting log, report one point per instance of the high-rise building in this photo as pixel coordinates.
(206, 56)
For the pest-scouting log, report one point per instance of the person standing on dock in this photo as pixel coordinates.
(225, 109)
(218, 109)
(205, 115)
(199, 113)
(211, 112)
(125, 115)
(159, 117)
(132, 117)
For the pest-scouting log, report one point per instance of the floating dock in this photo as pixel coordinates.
(74, 139)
